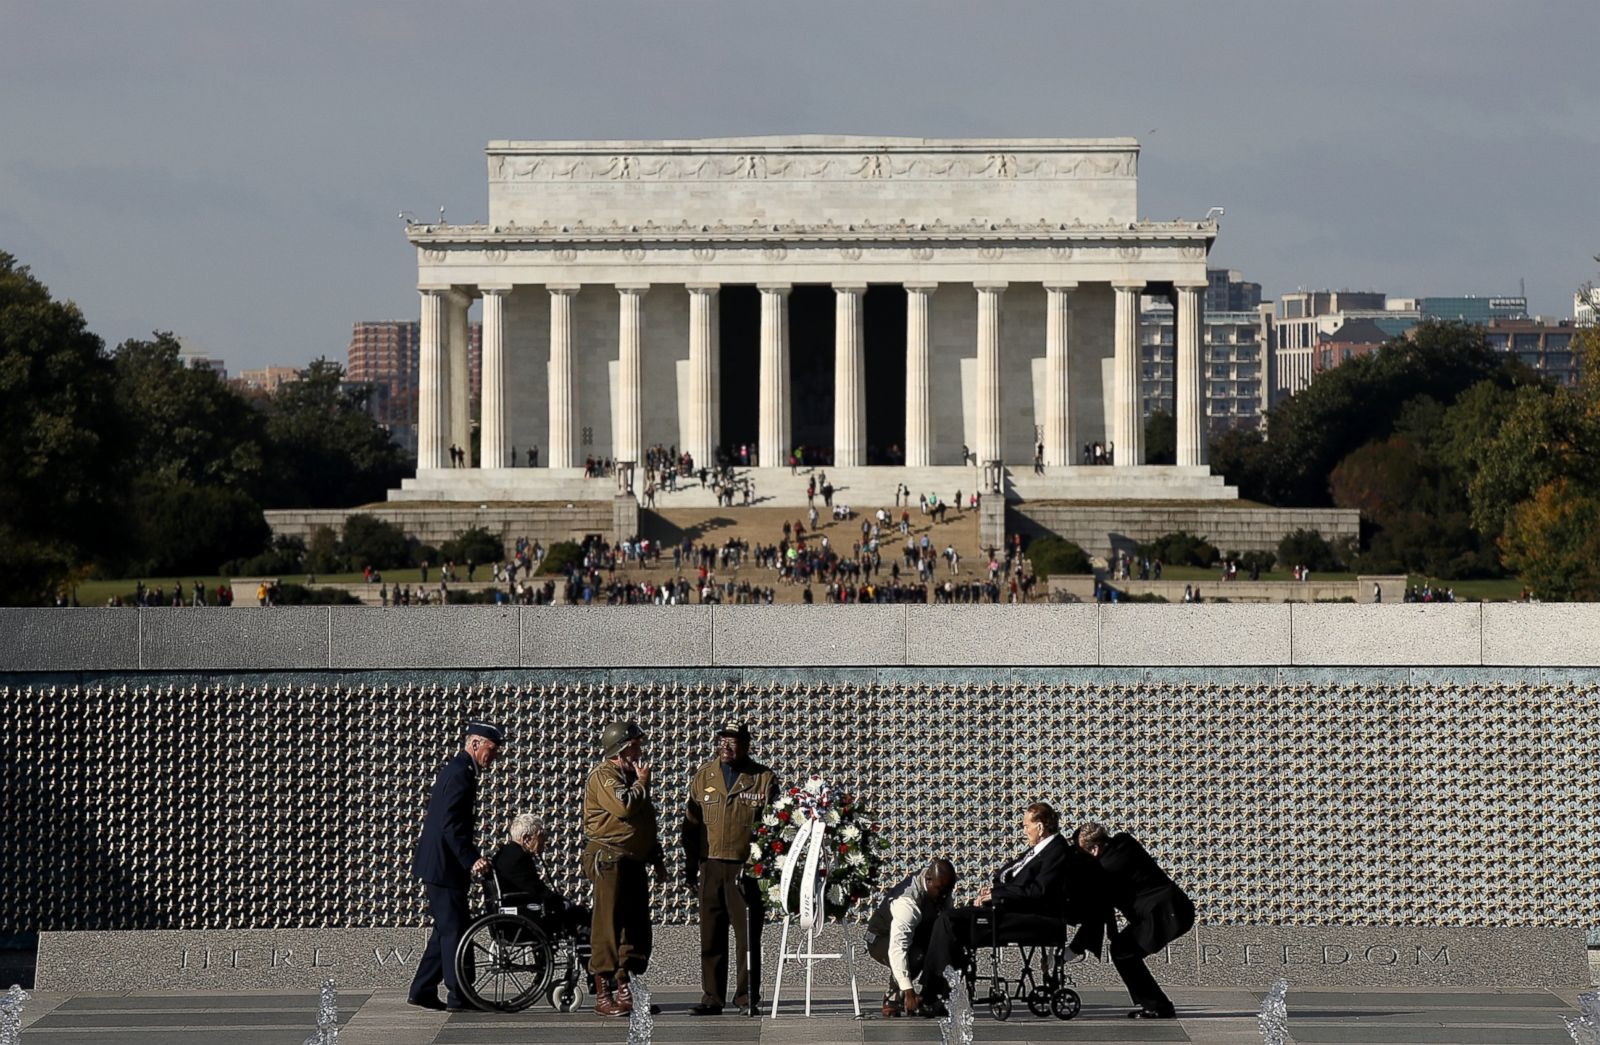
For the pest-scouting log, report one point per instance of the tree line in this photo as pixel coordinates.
(126, 462)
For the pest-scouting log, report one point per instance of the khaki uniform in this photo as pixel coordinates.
(619, 830)
(718, 824)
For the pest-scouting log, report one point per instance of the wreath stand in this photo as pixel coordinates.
(807, 918)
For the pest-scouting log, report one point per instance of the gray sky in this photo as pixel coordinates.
(232, 171)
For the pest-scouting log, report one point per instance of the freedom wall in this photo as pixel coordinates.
(1383, 795)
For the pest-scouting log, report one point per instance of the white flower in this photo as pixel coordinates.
(850, 832)
(771, 820)
(755, 851)
(831, 817)
(836, 895)
(854, 858)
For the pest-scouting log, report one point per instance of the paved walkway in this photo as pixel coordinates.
(1207, 1017)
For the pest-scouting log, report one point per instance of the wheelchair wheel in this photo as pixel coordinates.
(1000, 1008)
(1065, 1003)
(566, 997)
(503, 962)
(1039, 1001)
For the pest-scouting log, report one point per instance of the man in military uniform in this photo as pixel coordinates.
(446, 859)
(726, 796)
(619, 830)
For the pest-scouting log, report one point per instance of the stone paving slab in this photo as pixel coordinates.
(1207, 1017)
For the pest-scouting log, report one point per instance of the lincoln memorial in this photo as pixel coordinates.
(893, 303)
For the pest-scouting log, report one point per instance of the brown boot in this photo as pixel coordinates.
(624, 997)
(605, 1003)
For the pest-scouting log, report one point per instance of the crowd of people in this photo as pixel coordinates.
(1091, 884)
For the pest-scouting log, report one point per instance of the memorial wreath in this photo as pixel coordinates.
(821, 833)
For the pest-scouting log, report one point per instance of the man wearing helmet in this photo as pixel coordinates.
(619, 829)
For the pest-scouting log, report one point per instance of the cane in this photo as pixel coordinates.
(752, 946)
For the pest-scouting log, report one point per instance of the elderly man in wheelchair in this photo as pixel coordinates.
(529, 941)
(1032, 903)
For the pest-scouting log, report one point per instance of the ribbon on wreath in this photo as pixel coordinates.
(809, 839)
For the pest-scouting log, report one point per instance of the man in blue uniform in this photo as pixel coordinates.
(447, 858)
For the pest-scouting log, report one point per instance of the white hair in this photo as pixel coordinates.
(524, 826)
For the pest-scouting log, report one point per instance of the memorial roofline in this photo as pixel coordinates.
(812, 143)
(856, 232)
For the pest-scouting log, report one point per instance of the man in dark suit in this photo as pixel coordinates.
(1050, 884)
(447, 858)
(1157, 912)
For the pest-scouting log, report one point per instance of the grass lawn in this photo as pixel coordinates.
(98, 592)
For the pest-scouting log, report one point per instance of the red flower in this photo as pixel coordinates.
(794, 791)
(758, 870)
(777, 847)
(784, 816)
(761, 831)
(822, 872)
(843, 849)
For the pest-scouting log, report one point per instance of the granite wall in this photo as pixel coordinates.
(1292, 765)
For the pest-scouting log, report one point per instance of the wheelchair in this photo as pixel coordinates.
(1047, 990)
(517, 951)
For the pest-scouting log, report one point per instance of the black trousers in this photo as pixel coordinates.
(729, 901)
(438, 962)
(958, 931)
(1128, 957)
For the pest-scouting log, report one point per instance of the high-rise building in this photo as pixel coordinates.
(1586, 306)
(1546, 347)
(269, 378)
(1229, 291)
(1237, 351)
(386, 355)
(1305, 317)
(1473, 308)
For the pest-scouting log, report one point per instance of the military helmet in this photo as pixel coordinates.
(618, 735)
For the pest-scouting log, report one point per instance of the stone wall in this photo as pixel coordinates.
(1300, 765)
(1102, 528)
(547, 523)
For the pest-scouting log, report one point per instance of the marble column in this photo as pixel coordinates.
(1127, 421)
(460, 430)
(703, 432)
(563, 442)
(774, 444)
(849, 377)
(492, 434)
(919, 442)
(989, 447)
(1188, 378)
(1059, 433)
(433, 385)
(628, 438)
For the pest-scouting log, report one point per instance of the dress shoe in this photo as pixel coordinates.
(1152, 1014)
(704, 1009)
(428, 1001)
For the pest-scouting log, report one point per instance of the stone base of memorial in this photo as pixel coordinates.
(1250, 957)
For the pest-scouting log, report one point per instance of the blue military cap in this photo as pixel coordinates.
(485, 729)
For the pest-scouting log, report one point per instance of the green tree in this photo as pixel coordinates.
(182, 527)
(371, 541)
(60, 474)
(476, 545)
(1350, 405)
(1054, 556)
(1552, 541)
(325, 450)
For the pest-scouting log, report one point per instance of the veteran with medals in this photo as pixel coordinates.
(721, 815)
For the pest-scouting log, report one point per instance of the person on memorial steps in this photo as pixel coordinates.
(517, 869)
(1052, 881)
(446, 860)
(619, 830)
(725, 799)
(898, 931)
(1157, 912)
